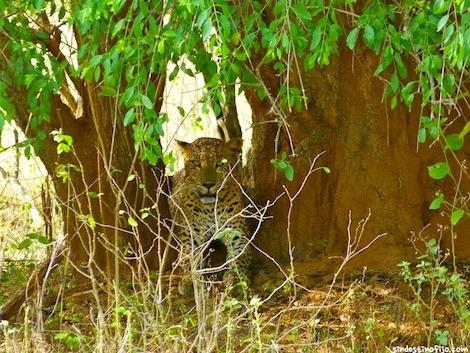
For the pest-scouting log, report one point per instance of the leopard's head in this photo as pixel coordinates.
(207, 161)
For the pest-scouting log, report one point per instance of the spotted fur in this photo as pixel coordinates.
(207, 204)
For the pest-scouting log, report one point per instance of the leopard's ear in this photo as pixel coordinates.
(184, 148)
(233, 147)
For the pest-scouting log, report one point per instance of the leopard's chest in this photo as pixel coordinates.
(206, 220)
(211, 216)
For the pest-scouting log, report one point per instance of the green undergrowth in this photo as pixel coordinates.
(423, 302)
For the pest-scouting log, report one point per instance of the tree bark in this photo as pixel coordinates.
(102, 158)
(375, 166)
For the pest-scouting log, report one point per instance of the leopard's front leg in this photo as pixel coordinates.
(238, 257)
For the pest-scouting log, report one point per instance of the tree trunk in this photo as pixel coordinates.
(96, 197)
(375, 166)
(103, 152)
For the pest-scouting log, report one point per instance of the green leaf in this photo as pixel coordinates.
(327, 170)
(285, 41)
(39, 4)
(7, 110)
(131, 177)
(40, 238)
(161, 47)
(202, 18)
(448, 33)
(439, 170)
(151, 156)
(316, 38)
(456, 216)
(91, 221)
(407, 94)
(132, 222)
(380, 68)
(434, 131)
(352, 38)
(118, 26)
(394, 102)
(63, 148)
(437, 202)
(442, 22)
(62, 12)
(61, 335)
(433, 248)
(129, 117)
(146, 102)
(440, 6)
(279, 7)
(369, 35)
(303, 12)
(94, 194)
(181, 111)
(467, 41)
(289, 172)
(422, 135)
(128, 94)
(107, 91)
(449, 83)
(206, 30)
(454, 142)
(401, 67)
(97, 73)
(67, 139)
(442, 337)
(394, 82)
(24, 244)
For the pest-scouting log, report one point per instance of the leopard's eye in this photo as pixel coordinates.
(222, 162)
(196, 162)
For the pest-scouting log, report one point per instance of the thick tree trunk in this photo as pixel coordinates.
(372, 153)
(97, 187)
(103, 156)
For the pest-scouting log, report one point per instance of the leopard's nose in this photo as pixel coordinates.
(208, 184)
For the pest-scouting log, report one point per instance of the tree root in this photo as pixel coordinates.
(12, 307)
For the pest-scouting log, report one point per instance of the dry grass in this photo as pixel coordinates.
(370, 313)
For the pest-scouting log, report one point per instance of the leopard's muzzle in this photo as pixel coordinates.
(207, 192)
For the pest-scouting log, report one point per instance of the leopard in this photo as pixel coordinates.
(207, 204)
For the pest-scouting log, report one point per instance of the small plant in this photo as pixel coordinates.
(231, 306)
(441, 337)
(64, 141)
(71, 340)
(431, 273)
(284, 166)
